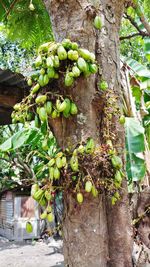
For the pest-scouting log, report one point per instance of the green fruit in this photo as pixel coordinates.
(93, 68)
(64, 161)
(43, 201)
(43, 215)
(29, 228)
(41, 80)
(79, 198)
(48, 107)
(48, 195)
(73, 55)
(41, 99)
(103, 85)
(50, 73)
(90, 146)
(37, 122)
(92, 55)
(46, 79)
(116, 162)
(81, 149)
(82, 65)
(62, 106)
(74, 163)
(122, 119)
(51, 162)
(94, 191)
(44, 145)
(42, 114)
(85, 54)
(74, 46)
(38, 61)
(74, 178)
(69, 80)
(42, 71)
(51, 173)
(76, 72)
(38, 194)
(56, 173)
(30, 116)
(50, 217)
(49, 209)
(59, 155)
(88, 186)
(56, 76)
(49, 62)
(66, 112)
(61, 52)
(56, 62)
(17, 106)
(59, 163)
(54, 114)
(67, 43)
(118, 177)
(35, 88)
(98, 23)
(29, 82)
(34, 189)
(73, 109)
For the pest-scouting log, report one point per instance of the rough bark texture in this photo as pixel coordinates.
(95, 233)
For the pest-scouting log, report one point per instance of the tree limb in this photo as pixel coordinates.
(133, 22)
(130, 36)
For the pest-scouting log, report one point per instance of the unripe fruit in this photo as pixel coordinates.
(122, 119)
(79, 198)
(88, 186)
(50, 217)
(98, 23)
(43, 215)
(61, 52)
(29, 227)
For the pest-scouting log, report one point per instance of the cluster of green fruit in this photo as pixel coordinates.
(56, 164)
(45, 198)
(53, 58)
(89, 188)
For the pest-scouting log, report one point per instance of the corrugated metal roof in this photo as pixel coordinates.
(12, 79)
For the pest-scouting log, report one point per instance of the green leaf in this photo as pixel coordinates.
(135, 167)
(6, 145)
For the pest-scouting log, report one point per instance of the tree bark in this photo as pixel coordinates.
(95, 233)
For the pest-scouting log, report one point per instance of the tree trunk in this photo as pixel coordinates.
(95, 233)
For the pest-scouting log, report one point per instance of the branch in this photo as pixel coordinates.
(130, 36)
(142, 33)
(11, 7)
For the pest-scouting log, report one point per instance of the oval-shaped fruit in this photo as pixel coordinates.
(76, 72)
(44, 145)
(73, 55)
(69, 80)
(79, 198)
(41, 99)
(34, 189)
(59, 163)
(64, 161)
(66, 112)
(98, 23)
(81, 149)
(103, 85)
(73, 109)
(29, 116)
(41, 80)
(56, 62)
(94, 191)
(88, 186)
(85, 54)
(29, 82)
(54, 114)
(90, 146)
(49, 62)
(66, 43)
(46, 79)
(43, 201)
(118, 176)
(38, 194)
(42, 71)
(43, 215)
(17, 106)
(122, 119)
(35, 88)
(92, 55)
(93, 68)
(62, 106)
(42, 114)
(50, 217)
(51, 73)
(51, 162)
(59, 155)
(74, 46)
(61, 52)
(48, 107)
(51, 173)
(56, 173)
(38, 61)
(116, 162)
(29, 228)
(82, 65)
(48, 195)
(74, 163)
(49, 208)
